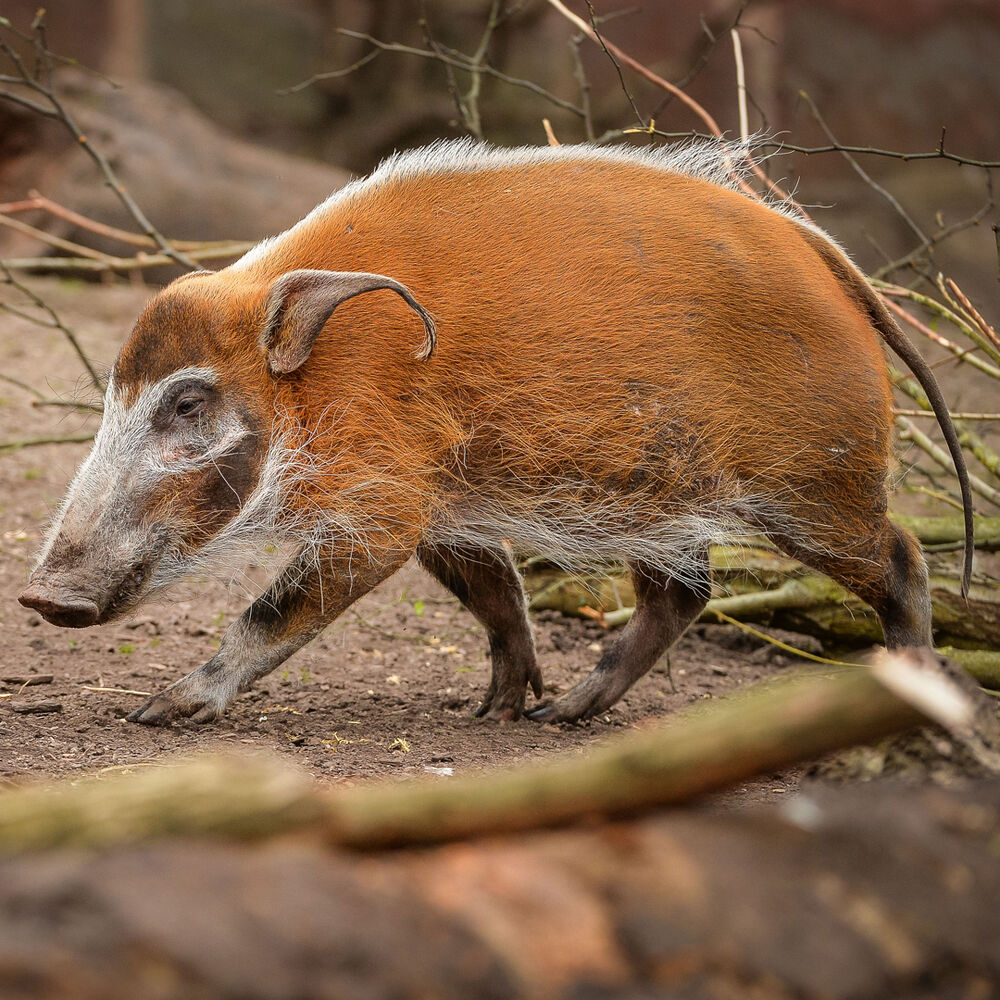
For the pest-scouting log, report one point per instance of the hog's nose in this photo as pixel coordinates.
(66, 610)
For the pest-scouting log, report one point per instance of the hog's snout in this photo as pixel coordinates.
(66, 610)
(76, 588)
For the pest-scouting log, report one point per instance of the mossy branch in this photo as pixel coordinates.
(770, 728)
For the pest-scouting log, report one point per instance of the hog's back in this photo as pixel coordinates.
(610, 321)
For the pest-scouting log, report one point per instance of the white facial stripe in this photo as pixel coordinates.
(150, 397)
(121, 449)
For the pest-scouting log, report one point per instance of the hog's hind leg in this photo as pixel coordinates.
(487, 583)
(664, 608)
(883, 565)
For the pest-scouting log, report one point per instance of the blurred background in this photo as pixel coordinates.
(212, 148)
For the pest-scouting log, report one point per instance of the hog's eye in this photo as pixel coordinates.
(189, 406)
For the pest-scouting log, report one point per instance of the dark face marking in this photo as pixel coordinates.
(184, 402)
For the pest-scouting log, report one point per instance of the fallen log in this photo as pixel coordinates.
(833, 894)
(116, 890)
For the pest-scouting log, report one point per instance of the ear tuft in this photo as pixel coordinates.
(301, 302)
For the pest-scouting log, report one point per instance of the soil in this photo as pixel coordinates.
(388, 690)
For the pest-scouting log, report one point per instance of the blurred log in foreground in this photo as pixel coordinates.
(844, 893)
(761, 585)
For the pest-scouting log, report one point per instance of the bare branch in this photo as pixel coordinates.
(40, 81)
(935, 239)
(910, 433)
(702, 61)
(633, 64)
(780, 146)
(970, 331)
(955, 414)
(691, 103)
(837, 147)
(38, 201)
(949, 288)
(140, 262)
(621, 79)
(462, 63)
(583, 83)
(332, 74)
(69, 404)
(53, 241)
(21, 385)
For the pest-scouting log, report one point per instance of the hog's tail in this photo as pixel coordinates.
(866, 296)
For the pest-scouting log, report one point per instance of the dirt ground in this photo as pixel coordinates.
(387, 690)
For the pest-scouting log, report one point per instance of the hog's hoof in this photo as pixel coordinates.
(588, 698)
(498, 712)
(504, 701)
(552, 711)
(507, 706)
(161, 710)
(190, 698)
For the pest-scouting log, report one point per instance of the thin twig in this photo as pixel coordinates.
(56, 322)
(782, 645)
(741, 84)
(18, 382)
(955, 414)
(837, 147)
(52, 240)
(70, 404)
(949, 285)
(114, 690)
(621, 78)
(969, 329)
(332, 74)
(32, 442)
(934, 240)
(780, 146)
(580, 74)
(690, 102)
(961, 354)
(64, 60)
(705, 55)
(38, 201)
(861, 172)
(941, 457)
(471, 99)
(139, 262)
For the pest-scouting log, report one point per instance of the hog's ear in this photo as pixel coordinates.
(301, 302)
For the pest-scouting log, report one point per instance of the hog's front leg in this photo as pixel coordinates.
(306, 597)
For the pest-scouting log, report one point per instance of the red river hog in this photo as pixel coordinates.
(595, 354)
